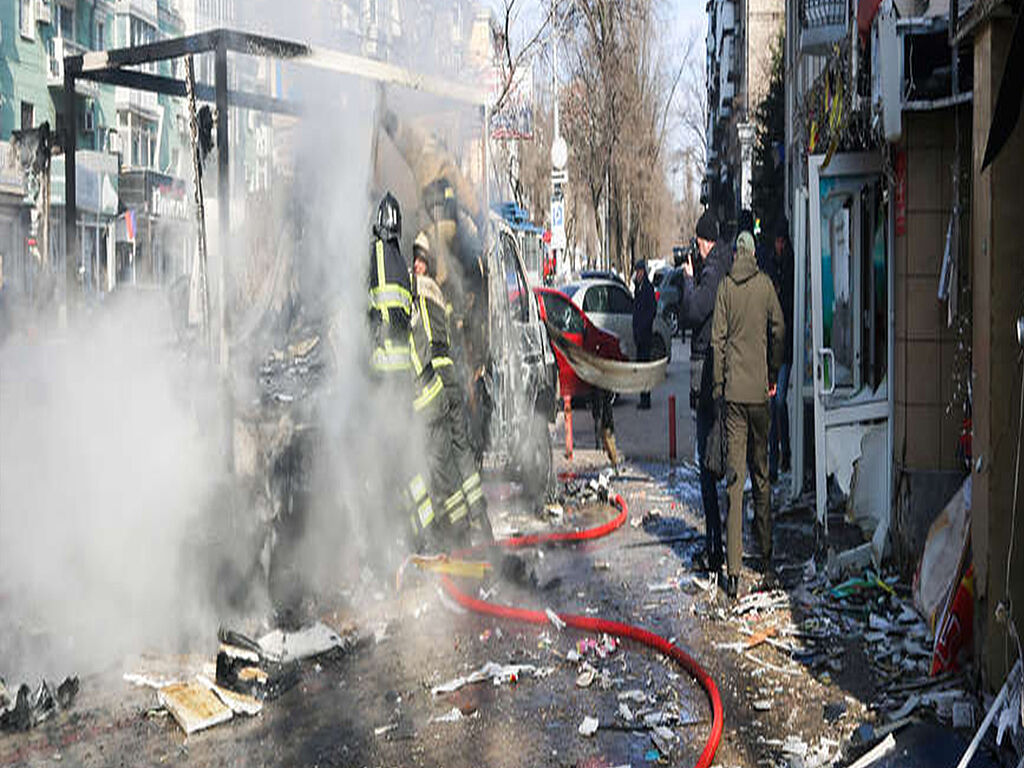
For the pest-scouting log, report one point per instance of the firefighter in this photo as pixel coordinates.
(455, 479)
(390, 315)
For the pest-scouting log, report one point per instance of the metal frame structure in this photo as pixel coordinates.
(829, 412)
(114, 67)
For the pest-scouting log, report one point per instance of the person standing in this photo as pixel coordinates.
(697, 306)
(781, 273)
(645, 306)
(747, 324)
(389, 314)
(454, 476)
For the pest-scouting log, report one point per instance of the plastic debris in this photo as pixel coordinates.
(29, 708)
(307, 643)
(553, 618)
(625, 712)
(452, 716)
(588, 727)
(586, 677)
(762, 705)
(635, 695)
(383, 729)
(498, 673)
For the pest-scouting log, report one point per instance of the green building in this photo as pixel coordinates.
(118, 132)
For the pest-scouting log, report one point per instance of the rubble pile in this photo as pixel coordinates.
(247, 673)
(293, 373)
(26, 708)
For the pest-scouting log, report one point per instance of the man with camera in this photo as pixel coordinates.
(702, 276)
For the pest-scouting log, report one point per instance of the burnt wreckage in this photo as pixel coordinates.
(282, 343)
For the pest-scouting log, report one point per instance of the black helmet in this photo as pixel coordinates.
(389, 218)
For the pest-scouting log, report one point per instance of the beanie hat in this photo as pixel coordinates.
(707, 226)
(745, 244)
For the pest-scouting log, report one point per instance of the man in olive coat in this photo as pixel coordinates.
(747, 323)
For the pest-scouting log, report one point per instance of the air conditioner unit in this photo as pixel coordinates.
(43, 13)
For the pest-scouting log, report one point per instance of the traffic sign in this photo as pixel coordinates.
(558, 240)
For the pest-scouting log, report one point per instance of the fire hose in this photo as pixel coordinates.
(592, 624)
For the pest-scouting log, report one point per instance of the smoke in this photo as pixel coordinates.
(104, 471)
(122, 527)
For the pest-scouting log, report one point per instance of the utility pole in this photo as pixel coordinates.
(559, 156)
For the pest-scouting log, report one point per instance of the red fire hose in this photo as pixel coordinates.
(591, 624)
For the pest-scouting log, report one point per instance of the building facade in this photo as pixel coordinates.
(741, 38)
(904, 258)
(35, 36)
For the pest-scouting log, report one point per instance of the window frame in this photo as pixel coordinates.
(27, 18)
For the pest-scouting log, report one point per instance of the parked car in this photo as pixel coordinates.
(610, 306)
(602, 274)
(670, 294)
(559, 311)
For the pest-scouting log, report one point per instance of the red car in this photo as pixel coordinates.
(560, 313)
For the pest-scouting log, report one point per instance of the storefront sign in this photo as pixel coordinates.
(169, 201)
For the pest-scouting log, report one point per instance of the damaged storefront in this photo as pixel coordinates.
(886, 141)
(155, 237)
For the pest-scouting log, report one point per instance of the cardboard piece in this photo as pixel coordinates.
(194, 706)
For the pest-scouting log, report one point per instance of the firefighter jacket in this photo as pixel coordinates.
(431, 344)
(390, 306)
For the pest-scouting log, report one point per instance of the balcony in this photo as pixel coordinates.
(143, 102)
(822, 23)
(60, 48)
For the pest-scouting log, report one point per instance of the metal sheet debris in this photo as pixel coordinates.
(876, 753)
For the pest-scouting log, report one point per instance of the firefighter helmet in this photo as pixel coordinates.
(389, 218)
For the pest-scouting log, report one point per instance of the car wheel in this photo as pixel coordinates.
(658, 349)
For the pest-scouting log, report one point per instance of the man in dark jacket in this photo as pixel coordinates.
(695, 308)
(781, 273)
(747, 323)
(644, 308)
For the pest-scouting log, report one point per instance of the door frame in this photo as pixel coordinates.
(847, 164)
(799, 394)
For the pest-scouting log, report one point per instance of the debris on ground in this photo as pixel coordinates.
(306, 643)
(193, 706)
(498, 673)
(588, 727)
(25, 708)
